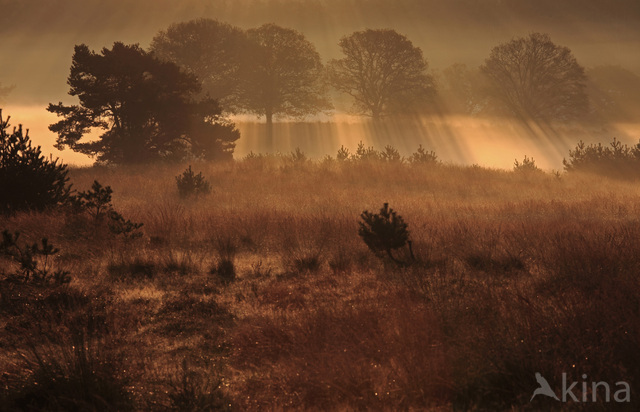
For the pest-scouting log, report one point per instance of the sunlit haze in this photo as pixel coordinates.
(38, 39)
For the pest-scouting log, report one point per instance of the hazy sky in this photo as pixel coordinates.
(38, 35)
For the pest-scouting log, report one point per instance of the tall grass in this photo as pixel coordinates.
(514, 274)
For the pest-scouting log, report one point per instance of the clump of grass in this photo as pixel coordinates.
(81, 373)
(225, 269)
(307, 264)
(136, 268)
(196, 391)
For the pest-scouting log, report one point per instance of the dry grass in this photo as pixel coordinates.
(516, 273)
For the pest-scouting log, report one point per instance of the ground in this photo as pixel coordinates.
(514, 273)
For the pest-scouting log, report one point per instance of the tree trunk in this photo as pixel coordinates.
(269, 139)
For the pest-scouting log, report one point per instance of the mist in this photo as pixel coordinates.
(38, 40)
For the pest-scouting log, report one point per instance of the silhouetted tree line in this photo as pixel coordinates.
(170, 102)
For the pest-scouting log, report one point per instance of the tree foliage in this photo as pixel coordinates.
(534, 78)
(28, 180)
(383, 72)
(282, 75)
(145, 106)
(614, 92)
(615, 160)
(383, 232)
(210, 50)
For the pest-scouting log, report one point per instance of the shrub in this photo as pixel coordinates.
(421, 156)
(191, 184)
(366, 153)
(390, 154)
(97, 203)
(194, 391)
(26, 256)
(343, 154)
(28, 180)
(298, 156)
(79, 374)
(528, 165)
(225, 269)
(383, 232)
(618, 160)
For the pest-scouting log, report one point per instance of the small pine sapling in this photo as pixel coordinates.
(191, 184)
(26, 256)
(28, 180)
(421, 156)
(384, 232)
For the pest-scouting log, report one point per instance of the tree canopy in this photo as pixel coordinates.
(145, 106)
(282, 75)
(210, 50)
(532, 77)
(383, 72)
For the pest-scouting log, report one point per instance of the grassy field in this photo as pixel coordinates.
(515, 273)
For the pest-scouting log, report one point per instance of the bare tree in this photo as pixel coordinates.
(534, 78)
(383, 72)
(208, 49)
(282, 75)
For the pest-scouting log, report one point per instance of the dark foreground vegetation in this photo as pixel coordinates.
(263, 291)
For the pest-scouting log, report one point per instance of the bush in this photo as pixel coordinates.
(343, 154)
(191, 184)
(383, 232)
(225, 269)
(528, 165)
(194, 391)
(421, 156)
(97, 203)
(79, 374)
(366, 153)
(618, 160)
(26, 257)
(28, 180)
(390, 154)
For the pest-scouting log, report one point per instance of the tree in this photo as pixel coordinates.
(534, 78)
(462, 89)
(282, 75)
(208, 49)
(383, 72)
(28, 180)
(614, 92)
(146, 107)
